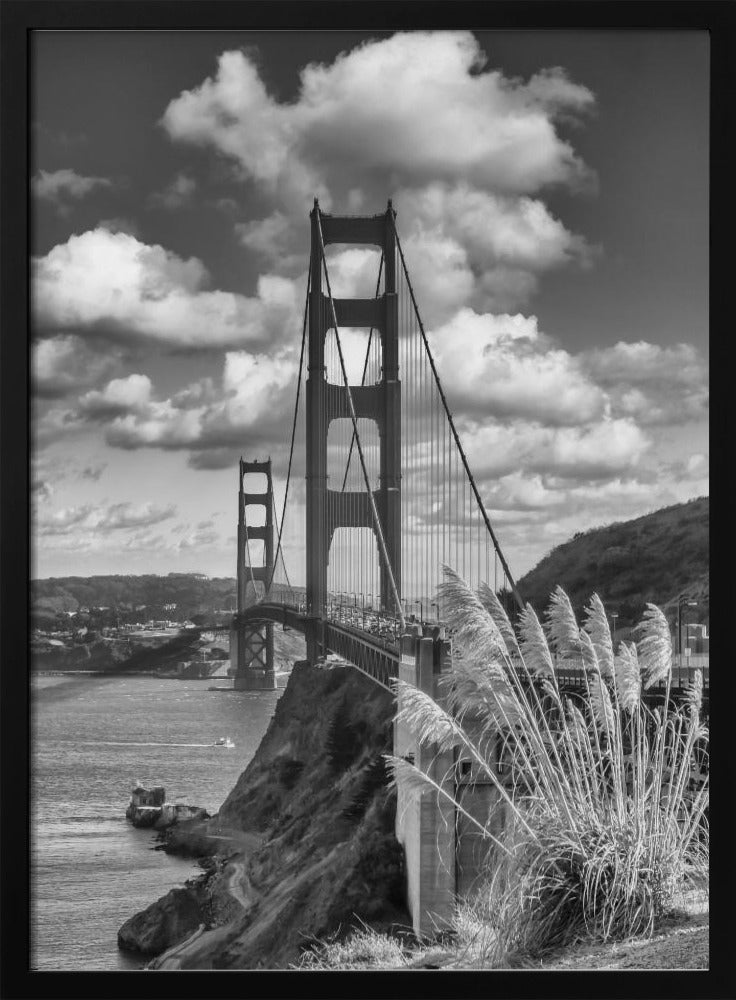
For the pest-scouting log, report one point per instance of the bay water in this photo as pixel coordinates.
(93, 738)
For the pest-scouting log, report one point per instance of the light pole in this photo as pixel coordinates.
(688, 626)
(614, 616)
(682, 602)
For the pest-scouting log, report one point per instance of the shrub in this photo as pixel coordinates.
(603, 820)
(289, 771)
(343, 742)
(373, 776)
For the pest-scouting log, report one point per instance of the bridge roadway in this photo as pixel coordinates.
(374, 655)
(369, 641)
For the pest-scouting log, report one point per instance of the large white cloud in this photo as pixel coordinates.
(418, 116)
(501, 366)
(418, 105)
(105, 284)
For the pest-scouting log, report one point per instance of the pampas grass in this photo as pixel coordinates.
(603, 824)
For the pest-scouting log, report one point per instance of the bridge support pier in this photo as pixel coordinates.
(251, 656)
(425, 821)
(445, 856)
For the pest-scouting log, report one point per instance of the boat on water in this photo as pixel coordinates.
(223, 741)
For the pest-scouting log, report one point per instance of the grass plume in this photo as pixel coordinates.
(603, 819)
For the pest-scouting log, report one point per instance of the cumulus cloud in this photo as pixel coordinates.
(62, 187)
(128, 515)
(110, 285)
(176, 194)
(197, 538)
(61, 521)
(421, 116)
(493, 247)
(101, 519)
(601, 450)
(65, 364)
(416, 105)
(651, 383)
(502, 366)
(120, 396)
(273, 239)
(251, 408)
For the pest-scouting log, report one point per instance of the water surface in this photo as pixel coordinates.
(93, 738)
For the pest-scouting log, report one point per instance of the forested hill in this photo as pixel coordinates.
(652, 558)
(134, 598)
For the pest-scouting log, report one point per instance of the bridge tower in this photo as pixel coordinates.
(328, 509)
(251, 644)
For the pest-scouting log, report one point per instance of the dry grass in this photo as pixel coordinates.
(363, 949)
(604, 824)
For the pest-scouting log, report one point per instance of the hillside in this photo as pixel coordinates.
(132, 598)
(652, 558)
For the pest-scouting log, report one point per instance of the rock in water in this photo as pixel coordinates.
(165, 923)
(178, 812)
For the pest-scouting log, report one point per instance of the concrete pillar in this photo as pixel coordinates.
(475, 854)
(425, 821)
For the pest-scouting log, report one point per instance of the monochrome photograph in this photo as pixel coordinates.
(369, 605)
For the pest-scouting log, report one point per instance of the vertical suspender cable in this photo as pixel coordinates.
(293, 432)
(469, 474)
(363, 376)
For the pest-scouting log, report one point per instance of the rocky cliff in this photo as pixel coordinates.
(302, 848)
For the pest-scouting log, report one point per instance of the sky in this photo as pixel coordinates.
(551, 191)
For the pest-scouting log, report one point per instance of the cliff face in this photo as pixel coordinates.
(315, 802)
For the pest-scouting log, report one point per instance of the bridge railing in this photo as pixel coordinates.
(570, 671)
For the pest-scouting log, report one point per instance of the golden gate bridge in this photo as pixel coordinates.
(390, 496)
(389, 499)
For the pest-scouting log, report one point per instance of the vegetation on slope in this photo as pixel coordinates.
(132, 598)
(630, 563)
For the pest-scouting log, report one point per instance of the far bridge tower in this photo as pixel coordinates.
(251, 644)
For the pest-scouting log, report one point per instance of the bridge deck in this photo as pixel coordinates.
(368, 640)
